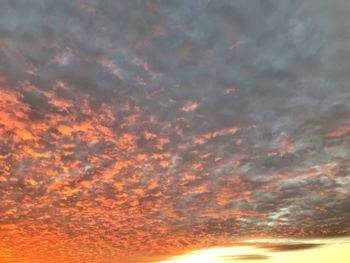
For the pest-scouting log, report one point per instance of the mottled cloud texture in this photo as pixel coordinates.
(141, 128)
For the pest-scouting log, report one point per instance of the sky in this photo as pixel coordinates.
(161, 130)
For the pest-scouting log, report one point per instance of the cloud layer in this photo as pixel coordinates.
(135, 128)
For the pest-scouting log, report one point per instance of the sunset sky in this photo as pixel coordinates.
(174, 131)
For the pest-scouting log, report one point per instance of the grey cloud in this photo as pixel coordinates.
(291, 247)
(246, 257)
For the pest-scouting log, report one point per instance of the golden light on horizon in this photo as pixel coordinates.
(301, 251)
(211, 255)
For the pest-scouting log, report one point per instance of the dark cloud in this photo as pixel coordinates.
(291, 247)
(246, 257)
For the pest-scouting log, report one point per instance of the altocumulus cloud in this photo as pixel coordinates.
(141, 128)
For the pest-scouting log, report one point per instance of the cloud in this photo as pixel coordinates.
(291, 247)
(245, 257)
(164, 126)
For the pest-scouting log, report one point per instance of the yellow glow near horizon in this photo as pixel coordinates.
(211, 255)
(331, 250)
